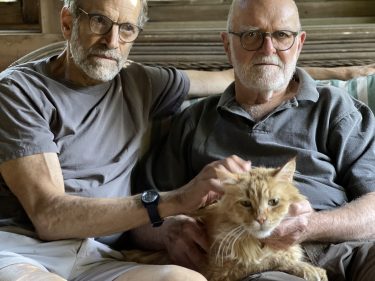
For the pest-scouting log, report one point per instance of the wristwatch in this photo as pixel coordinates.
(150, 199)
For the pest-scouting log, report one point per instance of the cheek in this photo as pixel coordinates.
(125, 49)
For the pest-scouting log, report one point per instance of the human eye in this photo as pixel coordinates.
(282, 34)
(128, 28)
(251, 34)
(100, 23)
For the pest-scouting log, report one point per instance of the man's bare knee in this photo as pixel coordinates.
(27, 272)
(161, 273)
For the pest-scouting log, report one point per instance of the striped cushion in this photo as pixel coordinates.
(362, 88)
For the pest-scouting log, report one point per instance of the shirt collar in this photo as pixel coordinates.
(306, 92)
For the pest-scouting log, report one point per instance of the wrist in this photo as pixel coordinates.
(171, 204)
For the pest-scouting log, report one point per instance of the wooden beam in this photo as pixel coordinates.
(50, 15)
(12, 47)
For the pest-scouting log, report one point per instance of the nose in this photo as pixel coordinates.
(112, 37)
(267, 47)
(261, 219)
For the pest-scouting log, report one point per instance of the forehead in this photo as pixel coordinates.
(117, 10)
(266, 14)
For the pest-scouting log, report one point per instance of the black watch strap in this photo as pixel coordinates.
(150, 200)
(153, 213)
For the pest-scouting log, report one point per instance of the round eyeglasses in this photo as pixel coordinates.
(100, 24)
(253, 40)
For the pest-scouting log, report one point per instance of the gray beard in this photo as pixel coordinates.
(95, 69)
(265, 79)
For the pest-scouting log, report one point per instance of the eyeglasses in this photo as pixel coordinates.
(253, 40)
(100, 24)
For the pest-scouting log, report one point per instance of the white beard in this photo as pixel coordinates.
(97, 69)
(266, 78)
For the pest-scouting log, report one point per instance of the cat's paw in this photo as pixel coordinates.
(322, 274)
(312, 273)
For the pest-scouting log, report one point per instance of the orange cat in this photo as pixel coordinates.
(252, 207)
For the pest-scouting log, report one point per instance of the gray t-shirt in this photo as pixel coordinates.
(96, 131)
(332, 135)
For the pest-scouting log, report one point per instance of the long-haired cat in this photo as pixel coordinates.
(253, 205)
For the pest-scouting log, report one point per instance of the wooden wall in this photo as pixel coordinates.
(186, 33)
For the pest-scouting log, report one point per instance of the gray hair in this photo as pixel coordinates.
(142, 19)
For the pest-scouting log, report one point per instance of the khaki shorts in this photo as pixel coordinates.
(74, 259)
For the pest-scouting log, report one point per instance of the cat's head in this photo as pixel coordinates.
(260, 199)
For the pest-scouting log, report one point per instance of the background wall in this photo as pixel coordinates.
(186, 33)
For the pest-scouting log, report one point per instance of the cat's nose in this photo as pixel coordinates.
(261, 219)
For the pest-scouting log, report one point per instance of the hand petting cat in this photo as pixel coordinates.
(206, 187)
(292, 229)
(184, 238)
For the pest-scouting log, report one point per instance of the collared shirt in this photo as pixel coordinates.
(331, 134)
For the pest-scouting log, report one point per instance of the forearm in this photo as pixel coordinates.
(354, 221)
(203, 83)
(77, 217)
(340, 73)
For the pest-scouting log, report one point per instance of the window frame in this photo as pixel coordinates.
(20, 15)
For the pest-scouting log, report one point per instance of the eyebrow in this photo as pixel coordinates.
(244, 28)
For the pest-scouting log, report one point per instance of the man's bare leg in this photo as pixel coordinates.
(27, 272)
(161, 273)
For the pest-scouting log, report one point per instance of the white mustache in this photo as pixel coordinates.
(268, 60)
(113, 54)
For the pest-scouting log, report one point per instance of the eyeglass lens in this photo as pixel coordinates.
(101, 25)
(281, 40)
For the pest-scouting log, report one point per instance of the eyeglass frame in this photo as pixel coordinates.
(90, 15)
(264, 34)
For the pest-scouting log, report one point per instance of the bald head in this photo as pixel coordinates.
(266, 9)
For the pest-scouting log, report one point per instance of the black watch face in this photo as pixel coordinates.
(149, 196)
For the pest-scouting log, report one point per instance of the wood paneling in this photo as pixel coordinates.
(186, 33)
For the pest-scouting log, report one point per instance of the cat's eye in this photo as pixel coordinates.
(273, 202)
(246, 204)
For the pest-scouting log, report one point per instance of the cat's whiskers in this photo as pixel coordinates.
(226, 244)
(234, 240)
(220, 251)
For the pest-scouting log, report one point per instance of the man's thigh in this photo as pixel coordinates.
(349, 261)
(161, 273)
(272, 276)
(73, 259)
(27, 272)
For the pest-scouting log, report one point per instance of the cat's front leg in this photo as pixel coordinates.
(306, 271)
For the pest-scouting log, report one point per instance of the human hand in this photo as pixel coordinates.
(185, 240)
(206, 187)
(292, 229)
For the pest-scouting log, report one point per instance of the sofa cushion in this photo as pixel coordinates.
(362, 88)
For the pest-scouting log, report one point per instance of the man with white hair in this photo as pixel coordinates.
(275, 111)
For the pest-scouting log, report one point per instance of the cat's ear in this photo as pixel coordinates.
(286, 172)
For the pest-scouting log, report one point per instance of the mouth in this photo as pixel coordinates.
(103, 57)
(265, 64)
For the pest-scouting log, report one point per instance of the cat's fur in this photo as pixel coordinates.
(253, 206)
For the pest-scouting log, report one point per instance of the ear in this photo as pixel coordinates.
(301, 41)
(66, 21)
(225, 40)
(286, 172)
